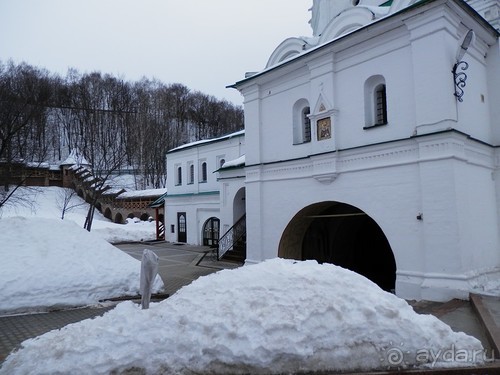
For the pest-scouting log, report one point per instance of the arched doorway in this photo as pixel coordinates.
(338, 233)
(181, 227)
(239, 206)
(211, 232)
(118, 218)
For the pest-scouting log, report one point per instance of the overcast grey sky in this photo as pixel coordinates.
(203, 44)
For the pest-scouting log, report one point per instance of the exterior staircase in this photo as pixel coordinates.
(238, 253)
(233, 244)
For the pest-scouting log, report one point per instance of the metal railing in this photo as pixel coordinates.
(232, 236)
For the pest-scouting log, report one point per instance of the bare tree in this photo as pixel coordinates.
(116, 124)
(66, 201)
(24, 95)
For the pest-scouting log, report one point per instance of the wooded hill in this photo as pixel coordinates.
(114, 123)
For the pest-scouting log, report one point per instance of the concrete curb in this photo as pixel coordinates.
(491, 328)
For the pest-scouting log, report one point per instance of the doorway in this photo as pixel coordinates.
(211, 232)
(344, 235)
(182, 227)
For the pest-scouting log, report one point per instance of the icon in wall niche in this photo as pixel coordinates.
(324, 128)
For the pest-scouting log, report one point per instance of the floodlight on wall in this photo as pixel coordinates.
(460, 78)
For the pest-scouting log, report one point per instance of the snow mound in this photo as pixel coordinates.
(279, 316)
(47, 202)
(52, 262)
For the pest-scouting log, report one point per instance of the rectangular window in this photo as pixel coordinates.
(307, 125)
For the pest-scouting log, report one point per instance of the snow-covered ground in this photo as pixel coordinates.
(47, 202)
(47, 262)
(279, 316)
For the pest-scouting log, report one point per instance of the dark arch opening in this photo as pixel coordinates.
(107, 213)
(338, 233)
(119, 218)
(144, 217)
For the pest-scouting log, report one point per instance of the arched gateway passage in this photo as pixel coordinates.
(341, 234)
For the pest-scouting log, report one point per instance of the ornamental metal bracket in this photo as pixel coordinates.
(460, 79)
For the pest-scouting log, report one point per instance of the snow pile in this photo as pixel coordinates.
(279, 316)
(234, 163)
(48, 202)
(53, 262)
(142, 193)
(489, 288)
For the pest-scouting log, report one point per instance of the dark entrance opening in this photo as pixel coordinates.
(342, 234)
(211, 232)
(182, 227)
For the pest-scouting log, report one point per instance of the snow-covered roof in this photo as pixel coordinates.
(159, 202)
(149, 193)
(380, 13)
(75, 158)
(113, 191)
(234, 163)
(37, 164)
(207, 141)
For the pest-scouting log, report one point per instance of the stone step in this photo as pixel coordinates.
(487, 309)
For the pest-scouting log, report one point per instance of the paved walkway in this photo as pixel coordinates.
(178, 264)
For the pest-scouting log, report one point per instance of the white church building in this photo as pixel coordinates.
(192, 204)
(374, 145)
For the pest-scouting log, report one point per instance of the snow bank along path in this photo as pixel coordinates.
(278, 316)
(53, 262)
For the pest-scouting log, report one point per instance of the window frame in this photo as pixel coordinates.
(203, 172)
(302, 123)
(376, 105)
(191, 174)
(178, 175)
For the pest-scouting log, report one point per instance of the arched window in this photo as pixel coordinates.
(301, 122)
(179, 176)
(221, 162)
(191, 174)
(375, 102)
(203, 172)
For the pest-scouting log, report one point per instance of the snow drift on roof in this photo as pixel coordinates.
(234, 163)
(203, 141)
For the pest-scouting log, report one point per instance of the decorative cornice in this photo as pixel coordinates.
(327, 167)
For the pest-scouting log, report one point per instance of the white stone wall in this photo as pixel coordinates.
(414, 164)
(198, 208)
(437, 258)
(232, 197)
(199, 199)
